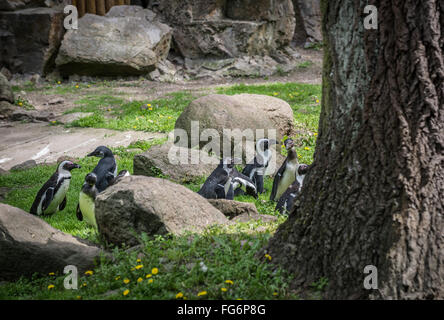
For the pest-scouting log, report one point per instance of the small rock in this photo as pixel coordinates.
(25, 165)
(70, 117)
(56, 101)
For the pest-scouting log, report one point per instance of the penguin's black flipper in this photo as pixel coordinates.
(220, 191)
(49, 195)
(276, 180)
(79, 213)
(63, 204)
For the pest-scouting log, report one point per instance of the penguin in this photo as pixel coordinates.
(86, 207)
(219, 185)
(113, 180)
(256, 170)
(286, 174)
(286, 201)
(106, 169)
(52, 196)
(87, 197)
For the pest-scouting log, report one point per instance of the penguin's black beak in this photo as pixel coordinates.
(74, 166)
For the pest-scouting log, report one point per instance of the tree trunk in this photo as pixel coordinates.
(375, 193)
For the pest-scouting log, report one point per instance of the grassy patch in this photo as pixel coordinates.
(219, 264)
(113, 113)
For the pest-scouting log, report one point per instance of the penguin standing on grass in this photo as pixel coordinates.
(287, 200)
(219, 185)
(87, 197)
(106, 169)
(256, 170)
(86, 209)
(286, 174)
(52, 196)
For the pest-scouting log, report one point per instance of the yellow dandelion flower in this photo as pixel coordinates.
(229, 282)
(223, 289)
(51, 286)
(51, 273)
(267, 256)
(135, 127)
(170, 117)
(238, 299)
(317, 100)
(126, 281)
(20, 104)
(315, 134)
(150, 281)
(89, 273)
(58, 82)
(202, 293)
(84, 284)
(138, 267)
(126, 292)
(89, 86)
(117, 278)
(179, 295)
(138, 260)
(77, 86)
(79, 297)
(149, 275)
(148, 105)
(139, 280)
(155, 271)
(275, 293)
(307, 148)
(109, 109)
(150, 109)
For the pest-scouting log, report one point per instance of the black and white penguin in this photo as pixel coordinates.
(113, 180)
(86, 209)
(286, 201)
(219, 185)
(286, 174)
(256, 170)
(52, 196)
(106, 169)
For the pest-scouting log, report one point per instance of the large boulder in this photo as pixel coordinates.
(127, 41)
(256, 113)
(154, 206)
(308, 21)
(29, 245)
(166, 160)
(30, 38)
(221, 28)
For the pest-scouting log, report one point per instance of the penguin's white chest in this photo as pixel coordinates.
(87, 206)
(287, 179)
(227, 185)
(58, 197)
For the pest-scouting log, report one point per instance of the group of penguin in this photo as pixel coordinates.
(51, 198)
(226, 181)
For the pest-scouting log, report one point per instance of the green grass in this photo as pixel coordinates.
(227, 252)
(149, 115)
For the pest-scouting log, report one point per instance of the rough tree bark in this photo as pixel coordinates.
(375, 194)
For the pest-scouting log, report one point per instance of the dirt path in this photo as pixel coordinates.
(45, 144)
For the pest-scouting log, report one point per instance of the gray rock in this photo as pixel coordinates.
(56, 101)
(245, 217)
(6, 109)
(30, 47)
(153, 206)
(251, 112)
(114, 45)
(31, 116)
(232, 209)
(163, 159)
(70, 117)
(25, 165)
(224, 29)
(29, 245)
(308, 20)
(6, 93)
